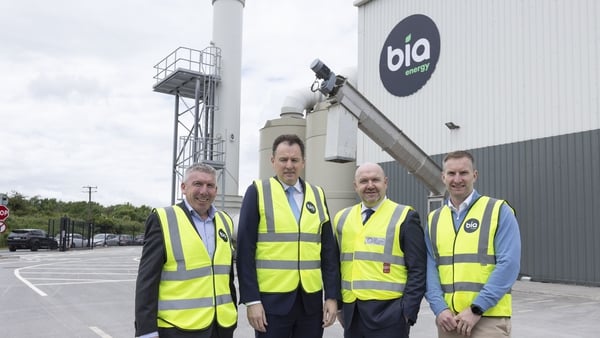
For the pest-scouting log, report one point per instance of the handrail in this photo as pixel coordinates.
(206, 61)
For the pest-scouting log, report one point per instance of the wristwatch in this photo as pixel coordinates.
(477, 310)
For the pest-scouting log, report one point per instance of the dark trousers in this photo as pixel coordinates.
(214, 331)
(296, 324)
(357, 329)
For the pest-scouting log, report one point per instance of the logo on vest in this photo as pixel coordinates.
(471, 225)
(311, 207)
(374, 241)
(386, 267)
(223, 235)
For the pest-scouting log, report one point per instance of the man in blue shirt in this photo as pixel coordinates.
(288, 265)
(474, 249)
(185, 283)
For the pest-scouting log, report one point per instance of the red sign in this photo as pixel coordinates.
(3, 212)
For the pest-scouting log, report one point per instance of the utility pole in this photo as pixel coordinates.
(90, 191)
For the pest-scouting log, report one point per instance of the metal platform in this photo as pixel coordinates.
(194, 75)
(183, 82)
(180, 71)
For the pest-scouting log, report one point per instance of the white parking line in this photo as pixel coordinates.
(81, 281)
(26, 282)
(99, 332)
(34, 275)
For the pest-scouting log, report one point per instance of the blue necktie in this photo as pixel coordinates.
(290, 196)
(368, 213)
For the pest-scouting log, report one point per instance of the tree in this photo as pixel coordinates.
(38, 212)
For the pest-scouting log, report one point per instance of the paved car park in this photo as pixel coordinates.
(90, 293)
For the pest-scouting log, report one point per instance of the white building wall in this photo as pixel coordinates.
(508, 71)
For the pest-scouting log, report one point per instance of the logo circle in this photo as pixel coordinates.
(311, 207)
(409, 55)
(223, 235)
(471, 225)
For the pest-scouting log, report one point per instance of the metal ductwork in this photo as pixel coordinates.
(378, 127)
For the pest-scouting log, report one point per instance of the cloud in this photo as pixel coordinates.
(76, 102)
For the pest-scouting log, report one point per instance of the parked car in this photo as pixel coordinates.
(126, 240)
(106, 239)
(74, 240)
(32, 239)
(139, 239)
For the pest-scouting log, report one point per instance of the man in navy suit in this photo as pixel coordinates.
(286, 251)
(384, 260)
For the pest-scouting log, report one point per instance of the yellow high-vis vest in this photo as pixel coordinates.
(466, 258)
(193, 289)
(372, 262)
(288, 253)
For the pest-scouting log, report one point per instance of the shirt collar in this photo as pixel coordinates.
(363, 207)
(211, 211)
(464, 203)
(297, 186)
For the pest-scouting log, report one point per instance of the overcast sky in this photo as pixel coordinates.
(77, 107)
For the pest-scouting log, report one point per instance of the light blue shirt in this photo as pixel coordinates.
(507, 246)
(298, 194)
(205, 227)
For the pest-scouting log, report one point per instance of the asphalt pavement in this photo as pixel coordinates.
(89, 293)
(540, 310)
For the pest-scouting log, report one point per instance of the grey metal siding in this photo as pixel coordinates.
(553, 184)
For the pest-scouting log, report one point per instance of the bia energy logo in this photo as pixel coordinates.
(409, 55)
(471, 225)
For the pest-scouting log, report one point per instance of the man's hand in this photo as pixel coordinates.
(256, 317)
(329, 312)
(466, 321)
(446, 321)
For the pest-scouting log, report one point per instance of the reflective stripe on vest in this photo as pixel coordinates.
(285, 245)
(465, 259)
(188, 267)
(372, 262)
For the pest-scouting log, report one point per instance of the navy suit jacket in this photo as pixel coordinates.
(281, 303)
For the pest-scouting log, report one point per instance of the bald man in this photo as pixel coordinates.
(383, 260)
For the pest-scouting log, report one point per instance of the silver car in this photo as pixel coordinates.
(106, 239)
(74, 240)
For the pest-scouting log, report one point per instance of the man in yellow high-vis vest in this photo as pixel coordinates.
(474, 252)
(383, 260)
(185, 283)
(287, 259)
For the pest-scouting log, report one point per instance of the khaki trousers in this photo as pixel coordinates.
(487, 327)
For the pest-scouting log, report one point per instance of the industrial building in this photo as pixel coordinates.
(514, 82)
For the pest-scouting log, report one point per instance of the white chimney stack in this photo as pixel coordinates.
(227, 35)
